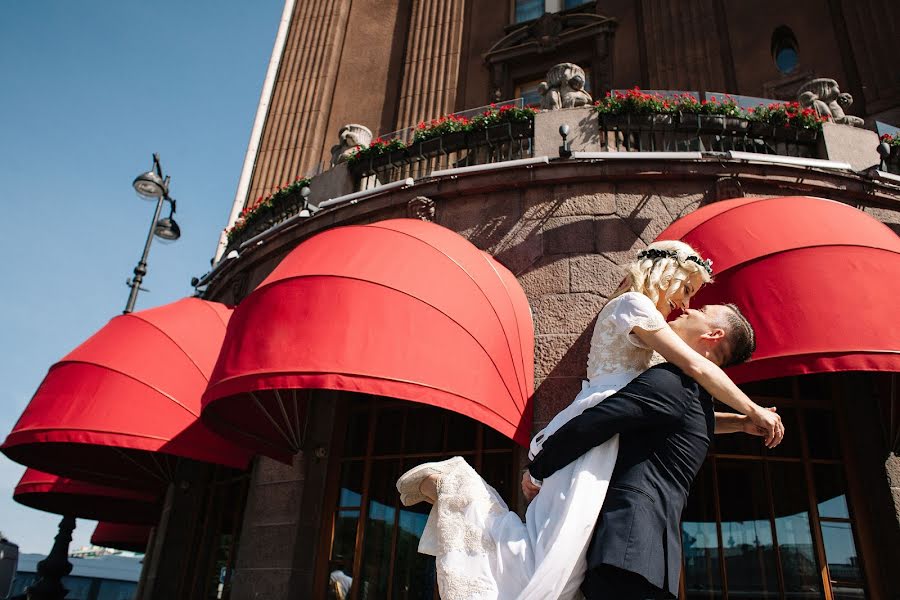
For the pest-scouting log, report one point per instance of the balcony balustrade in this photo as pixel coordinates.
(488, 135)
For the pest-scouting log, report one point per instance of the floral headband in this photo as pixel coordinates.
(654, 253)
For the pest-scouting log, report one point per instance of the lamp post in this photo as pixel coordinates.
(152, 185)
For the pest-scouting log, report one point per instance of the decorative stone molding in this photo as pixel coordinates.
(529, 49)
(564, 88)
(421, 208)
(825, 97)
(240, 286)
(727, 188)
(351, 136)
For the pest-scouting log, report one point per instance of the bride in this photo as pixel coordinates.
(485, 551)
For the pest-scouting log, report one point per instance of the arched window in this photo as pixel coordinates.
(785, 49)
(373, 538)
(764, 524)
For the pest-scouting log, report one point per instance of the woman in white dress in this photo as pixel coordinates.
(485, 551)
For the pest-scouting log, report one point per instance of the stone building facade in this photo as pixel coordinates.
(389, 65)
(820, 519)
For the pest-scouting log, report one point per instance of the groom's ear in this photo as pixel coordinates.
(717, 334)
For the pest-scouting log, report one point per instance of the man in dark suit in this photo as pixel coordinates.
(665, 421)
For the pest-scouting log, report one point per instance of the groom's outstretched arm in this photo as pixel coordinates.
(657, 397)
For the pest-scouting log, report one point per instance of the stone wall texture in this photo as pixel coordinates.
(389, 64)
(564, 230)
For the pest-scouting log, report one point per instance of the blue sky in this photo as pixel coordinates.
(88, 91)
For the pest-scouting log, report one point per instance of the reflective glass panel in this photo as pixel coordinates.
(494, 439)
(574, 3)
(357, 434)
(527, 10)
(821, 433)
(424, 431)
(497, 471)
(79, 587)
(741, 443)
(379, 529)
(344, 542)
(795, 543)
(840, 551)
(786, 59)
(461, 432)
(414, 573)
(746, 530)
(816, 387)
(388, 430)
(841, 592)
(831, 491)
(700, 541)
(351, 484)
(116, 590)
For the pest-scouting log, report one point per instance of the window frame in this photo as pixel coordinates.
(800, 403)
(375, 406)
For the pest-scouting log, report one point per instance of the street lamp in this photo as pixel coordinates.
(152, 185)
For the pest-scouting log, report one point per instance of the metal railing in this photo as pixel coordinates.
(500, 143)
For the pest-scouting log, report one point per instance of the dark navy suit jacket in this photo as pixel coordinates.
(665, 421)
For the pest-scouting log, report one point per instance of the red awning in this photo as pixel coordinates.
(401, 308)
(131, 538)
(121, 407)
(817, 279)
(62, 496)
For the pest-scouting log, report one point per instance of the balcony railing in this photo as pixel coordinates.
(499, 143)
(702, 133)
(515, 139)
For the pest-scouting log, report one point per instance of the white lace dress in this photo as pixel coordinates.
(484, 551)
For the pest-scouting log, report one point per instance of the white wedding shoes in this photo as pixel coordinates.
(409, 483)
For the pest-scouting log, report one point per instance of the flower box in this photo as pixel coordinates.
(425, 148)
(702, 123)
(380, 160)
(892, 161)
(632, 121)
(398, 157)
(452, 142)
(792, 134)
(510, 130)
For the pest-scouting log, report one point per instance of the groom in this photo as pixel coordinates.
(665, 421)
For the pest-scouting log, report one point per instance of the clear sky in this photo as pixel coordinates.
(88, 91)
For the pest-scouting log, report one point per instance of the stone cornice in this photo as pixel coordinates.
(856, 189)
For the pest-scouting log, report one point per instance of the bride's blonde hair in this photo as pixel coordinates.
(662, 268)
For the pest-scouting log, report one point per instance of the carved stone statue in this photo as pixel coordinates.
(421, 208)
(825, 97)
(564, 88)
(352, 136)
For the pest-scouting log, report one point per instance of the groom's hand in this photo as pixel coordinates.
(750, 428)
(770, 423)
(528, 488)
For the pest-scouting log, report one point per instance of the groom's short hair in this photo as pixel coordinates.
(739, 334)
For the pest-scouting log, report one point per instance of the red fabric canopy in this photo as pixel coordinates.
(132, 538)
(817, 279)
(400, 308)
(62, 496)
(121, 407)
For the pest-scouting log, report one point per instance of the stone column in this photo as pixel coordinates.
(295, 128)
(683, 39)
(431, 66)
(179, 537)
(282, 522)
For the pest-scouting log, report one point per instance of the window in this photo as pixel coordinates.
(528, 10)
(785, 50)
(761, 525)
(373, 538)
